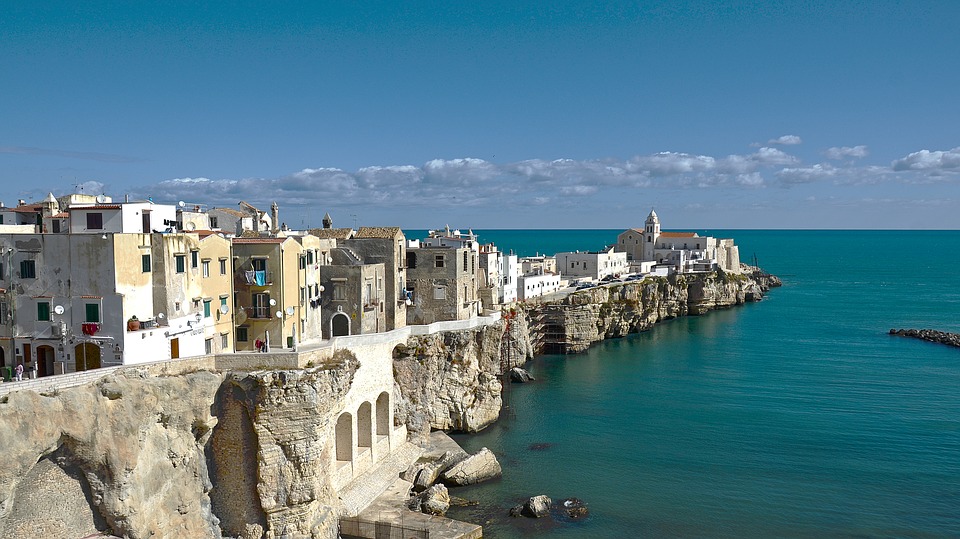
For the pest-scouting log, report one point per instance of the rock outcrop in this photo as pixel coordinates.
(449, 380)
(193, 455)
(474, 469)
(535, 507)
(520, 376)
(433, 501)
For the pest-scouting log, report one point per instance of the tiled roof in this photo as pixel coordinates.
(377, 232)
(678, 234)
(332, 233)
(231, 211)
(26, 208)
(61, 215)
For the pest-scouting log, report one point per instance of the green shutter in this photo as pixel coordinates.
(43, 311)
(206, 308)
(93, 312)
(145, 262)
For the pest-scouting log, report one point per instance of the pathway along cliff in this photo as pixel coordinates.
(247, 454)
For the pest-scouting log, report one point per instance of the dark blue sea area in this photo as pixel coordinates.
(797, 416)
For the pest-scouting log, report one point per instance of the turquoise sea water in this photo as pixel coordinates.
(794, 417)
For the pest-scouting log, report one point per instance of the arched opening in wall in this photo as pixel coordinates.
(340, 325)
(365, 425)
(383, 414)
(45, 357)
(344, 437)
(87, 356)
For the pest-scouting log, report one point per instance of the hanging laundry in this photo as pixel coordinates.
(261, 278)
(250, 276)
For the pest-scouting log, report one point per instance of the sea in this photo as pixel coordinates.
(797, 416)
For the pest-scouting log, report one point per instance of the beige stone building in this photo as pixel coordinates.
(442, 284)
(681, 251)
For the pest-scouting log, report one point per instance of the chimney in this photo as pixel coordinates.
(275, 217)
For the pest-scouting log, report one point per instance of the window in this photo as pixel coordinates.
(440, 292)
(223, 266)
(181, 261)
(339, 292)
(224, 341)
(303, 262)
(4, 312)
(465, 261)
(259, 264)
(43, 311)
(28, 269)
(145, 263)
(309, 257)
(213, 222)
(56, 226)
(242, 334)
(411, 260)
(368, 297)
(208, 346)
(206, 268)
(176, 306)
(206, 309)
(438, 261)
(2, 273)
(194, 258)
(93, 312)
(261, 305)
(223, 301)
(94, 221)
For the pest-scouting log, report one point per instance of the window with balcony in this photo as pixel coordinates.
(261, 306)
(92, 312)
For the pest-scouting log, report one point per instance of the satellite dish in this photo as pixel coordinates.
(58, 309)
(224, 309)
(279, 314)
(101, 199)
(191, 226)
(273, 302)
(160, 316)
(290, 311)
(181, 203)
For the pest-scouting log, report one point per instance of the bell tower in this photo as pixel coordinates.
(651, 231)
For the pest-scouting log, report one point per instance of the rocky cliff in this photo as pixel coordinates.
(195, 455)
(571, 324)
(450, 380)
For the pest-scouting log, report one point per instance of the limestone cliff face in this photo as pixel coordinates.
(124, 455)
(573, 323)
(449, 380)
(195, 455)
(270, 452)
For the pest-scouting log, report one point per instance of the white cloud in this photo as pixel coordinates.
(793, 176)
(838, 153)
(931, 162)
(786, 140)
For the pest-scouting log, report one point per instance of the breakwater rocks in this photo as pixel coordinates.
(571, 324)
(931, 335)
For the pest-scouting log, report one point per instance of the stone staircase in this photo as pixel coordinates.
(365, 488)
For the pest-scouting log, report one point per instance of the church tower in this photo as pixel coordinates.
(651, 231)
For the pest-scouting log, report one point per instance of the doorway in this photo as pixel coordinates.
(175, 348)
(45, 358)
(87, 356)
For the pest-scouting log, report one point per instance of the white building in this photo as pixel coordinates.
(536, 285)
(126, 217)
(683, 251)
(593, 264)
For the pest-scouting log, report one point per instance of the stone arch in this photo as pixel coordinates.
(45, 358)
(339, 325)
(383, 414)
(365, 425)
(87, 356)
(344, 437)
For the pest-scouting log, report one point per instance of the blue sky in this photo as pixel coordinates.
(493, 115)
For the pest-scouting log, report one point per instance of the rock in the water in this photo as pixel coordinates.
(930, 335)
(540, 446)
(574, 508)
(425, 477)
(473, 469)
(433, 501)
(462, 502)
(535, 507)
(520, 376)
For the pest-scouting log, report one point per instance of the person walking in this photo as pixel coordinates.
(18, 371)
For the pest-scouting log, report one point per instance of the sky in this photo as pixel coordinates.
(554, 114)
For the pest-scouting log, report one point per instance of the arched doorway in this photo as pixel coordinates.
(344, 438)
(383, 414)
(87, 356)
(3, 358)
(365, 425)
(45, 358)
(339, 325)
